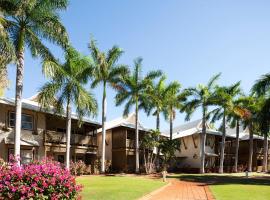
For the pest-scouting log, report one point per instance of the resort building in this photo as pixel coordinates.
(43, 133)
(188, 156)
(120, 143)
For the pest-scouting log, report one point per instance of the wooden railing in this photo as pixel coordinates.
(76, 139)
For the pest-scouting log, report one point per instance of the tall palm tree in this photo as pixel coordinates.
(224, 97)
(251, 106)
(261, 88)
(107, 73)
(156, 103)
(234, 118)
(26, 23)
(201, 97)
(174, 99)
(132, 90)
(66, 88)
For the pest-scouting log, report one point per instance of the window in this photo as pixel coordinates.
(27, 121)
(27, 156)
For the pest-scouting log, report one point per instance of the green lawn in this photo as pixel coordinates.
(233, 187)
(117, 187)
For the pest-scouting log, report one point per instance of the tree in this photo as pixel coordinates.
(132, 90)
(261, 88)
(25, 24)
(201, 97)
(107, 73)
(156, 101)
(173, 99)
(149, 142)
(223, 97)
(168, 148)
(251, 106)
(234, 118)
(66, 88)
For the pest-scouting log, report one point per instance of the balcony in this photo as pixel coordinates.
(53, 137)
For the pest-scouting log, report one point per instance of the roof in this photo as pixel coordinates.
(243, 133)
(31, 104)
(190, 128)
(128, 121)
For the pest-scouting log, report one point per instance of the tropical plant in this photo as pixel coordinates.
(173, 99)
(65, 88)
(251, 106)
(132, 90)
(148, 143)
(44, 179)
(156, 101)
(24, 24)
(223, 97)
(201, 97)
(168, 148)
(107, 73)
(261, 88)
(234, 118)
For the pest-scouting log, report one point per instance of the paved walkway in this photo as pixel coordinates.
(181, 190)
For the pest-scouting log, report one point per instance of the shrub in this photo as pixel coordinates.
(44, 179)
(78, 168)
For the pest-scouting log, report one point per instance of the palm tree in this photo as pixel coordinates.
(174, 99)
(66, 88)
(224, 97)
(106, 72)
(132, 90)
(261, 88)
(156, 103)
(251, 106)
(26, 23)
(201, 97)
(234, 119)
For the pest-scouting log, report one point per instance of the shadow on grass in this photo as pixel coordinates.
(223, 180)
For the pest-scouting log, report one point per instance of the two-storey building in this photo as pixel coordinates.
(120, 143)
(43, 133)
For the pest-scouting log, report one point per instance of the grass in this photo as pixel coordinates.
(117, 187)
(233, 186)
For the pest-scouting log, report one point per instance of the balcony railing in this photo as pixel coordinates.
(76, 139)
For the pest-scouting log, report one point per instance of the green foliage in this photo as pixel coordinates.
(106, 70)
(66, 84)
(133, 87)
(28, 22)
(168, 148)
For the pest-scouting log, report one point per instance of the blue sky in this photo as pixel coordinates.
(189, 40)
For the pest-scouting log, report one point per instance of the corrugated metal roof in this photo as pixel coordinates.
(33, 105)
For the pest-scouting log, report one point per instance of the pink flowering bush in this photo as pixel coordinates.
(38, 180)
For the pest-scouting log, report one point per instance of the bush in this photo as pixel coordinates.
(78, 168)
(38, 180)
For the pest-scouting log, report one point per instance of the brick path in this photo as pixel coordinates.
(182, 190)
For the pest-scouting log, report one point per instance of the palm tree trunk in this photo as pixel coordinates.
(171, 125)
(203, 138)
(158, 121)
(236, 147)
(137, 137)
(250, 147)
(68, 134)
(265, 153)
(223, 143)
(104, 108)
(156, 159)
(18, 96)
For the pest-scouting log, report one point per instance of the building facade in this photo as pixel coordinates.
(43, 134)
(120, 143)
